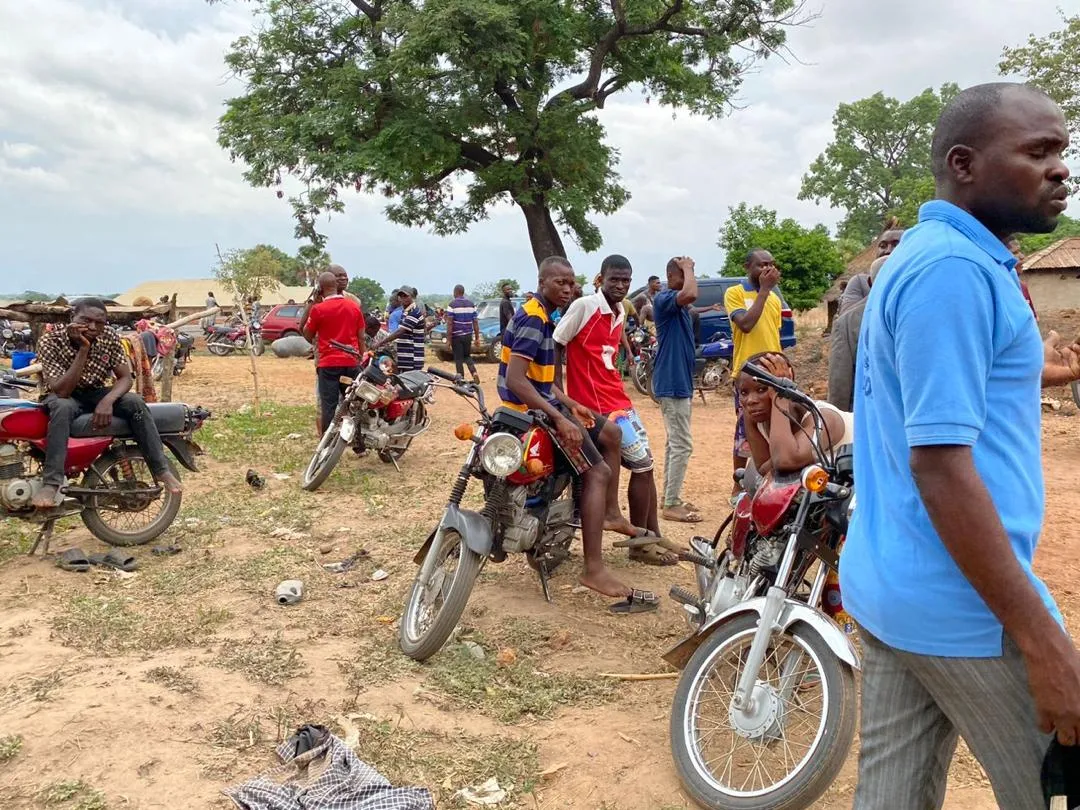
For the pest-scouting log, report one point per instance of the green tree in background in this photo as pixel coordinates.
(369, 291)
(807, 258)
(878, 164)
(1052, 63)
(503, 96)
(1031, 242)
(494, 289)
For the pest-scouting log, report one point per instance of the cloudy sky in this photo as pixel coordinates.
(110, 173)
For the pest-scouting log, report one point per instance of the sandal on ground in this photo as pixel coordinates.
(637, 602)
(681, 513)
(654, 554)
(115, 559)
(646, 538)
(73, 559)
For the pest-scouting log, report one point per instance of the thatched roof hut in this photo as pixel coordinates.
(1060, 257)
(1053, 275)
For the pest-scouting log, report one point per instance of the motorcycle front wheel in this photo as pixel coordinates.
(327, 454)
(258, 347)
(219, 348)
(127, 520)
(432, 611)
(783, 753)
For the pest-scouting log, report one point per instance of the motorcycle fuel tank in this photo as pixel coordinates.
(539, 458)
(771, 503)
(22, 419)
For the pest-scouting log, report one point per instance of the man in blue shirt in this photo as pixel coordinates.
(462, 326)
(960, 637)
(673, 381)
(393, 318)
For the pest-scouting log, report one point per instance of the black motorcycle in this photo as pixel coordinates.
(14, 340)
(185, 345)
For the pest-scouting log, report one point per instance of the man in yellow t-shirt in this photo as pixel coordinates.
(754, 311)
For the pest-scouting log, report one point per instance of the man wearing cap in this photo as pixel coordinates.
(844, 346)
(409, 335)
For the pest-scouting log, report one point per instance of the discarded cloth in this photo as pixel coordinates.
(320, 772)
(141, 370)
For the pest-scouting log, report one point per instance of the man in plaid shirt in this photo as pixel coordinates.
(77, 364)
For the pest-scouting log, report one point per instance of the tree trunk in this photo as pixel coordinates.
(543, 235)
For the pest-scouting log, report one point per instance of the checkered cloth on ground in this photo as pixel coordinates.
(320, 771)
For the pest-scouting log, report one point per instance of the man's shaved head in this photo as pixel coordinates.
(328, 282)
(552, 263)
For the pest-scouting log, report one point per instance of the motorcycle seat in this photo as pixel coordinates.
(170, 417)
(413, 384)
(222, 330)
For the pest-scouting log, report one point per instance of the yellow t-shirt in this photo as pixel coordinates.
(764, 337)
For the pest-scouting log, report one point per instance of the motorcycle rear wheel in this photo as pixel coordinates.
(327, 454)
(454, 588)
(815, 770)
(107, 474)
(219, 348)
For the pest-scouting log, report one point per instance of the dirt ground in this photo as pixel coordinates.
(159, 690)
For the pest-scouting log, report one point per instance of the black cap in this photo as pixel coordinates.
(1061, 776)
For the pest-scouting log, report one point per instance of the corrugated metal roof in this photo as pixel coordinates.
(1062, 255)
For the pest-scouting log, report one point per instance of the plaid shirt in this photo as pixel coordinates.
(56, 353)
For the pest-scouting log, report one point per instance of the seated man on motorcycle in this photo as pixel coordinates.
(526, 381)
(76, 365)
(778, 430)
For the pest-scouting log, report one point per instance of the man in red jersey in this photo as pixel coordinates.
(333, 317)
(591, 334)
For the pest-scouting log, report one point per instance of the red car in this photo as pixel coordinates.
(281, 321)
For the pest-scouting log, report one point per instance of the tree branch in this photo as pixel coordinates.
(503, 91)
(368, 10)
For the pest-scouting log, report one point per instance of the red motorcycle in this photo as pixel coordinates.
(528, 508)
(381, 411)
(764, 711)
(233, 337)
(116, 495)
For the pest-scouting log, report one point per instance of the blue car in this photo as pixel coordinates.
(490, 345)
(713, 325)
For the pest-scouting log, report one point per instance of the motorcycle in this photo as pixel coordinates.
(116, 497)
(712, 366)
(764, 711)
(224, 340)
(14, 340)
(185, 345)
(528, 508)
(380, 411)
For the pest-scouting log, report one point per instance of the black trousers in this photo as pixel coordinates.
(462, 348)
(331, 389)
(130, 407)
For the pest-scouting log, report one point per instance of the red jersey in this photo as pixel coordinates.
(592, 335)
(336, 318)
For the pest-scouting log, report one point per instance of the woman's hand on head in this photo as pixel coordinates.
(777, 365)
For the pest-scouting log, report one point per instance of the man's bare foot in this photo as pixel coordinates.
(45, 497)
(621, 525)
(171, 483)
(603, 581)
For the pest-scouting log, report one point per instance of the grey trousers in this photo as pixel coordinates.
(679, 446)
(915, 706)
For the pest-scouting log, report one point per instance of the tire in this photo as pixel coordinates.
(101, 530)
(494, 352)
(258, 346)
(219, 348)
(1075, 388)
(819, 768)
(421, 646)
(318, 470)
(641, 376)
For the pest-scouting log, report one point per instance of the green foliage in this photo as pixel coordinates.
(808, 259)
(369, 291)
(1052, 63)
(501, 96)
(494, 289)
(1031, 242)
(878, 164)
(249, 274)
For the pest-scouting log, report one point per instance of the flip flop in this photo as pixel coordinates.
(649, 538)
(165, 551)
(653, 555)
(681, 514)
(73, 559)
(115, 559)
(637, 602)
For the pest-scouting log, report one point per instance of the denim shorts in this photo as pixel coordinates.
(636, 455)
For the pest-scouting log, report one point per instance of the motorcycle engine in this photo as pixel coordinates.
(712, 376)
(765, 553)
(16, 492)
(521, 528)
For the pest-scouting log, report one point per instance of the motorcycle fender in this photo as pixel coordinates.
(348, 429)
(474, 529)
(185, 450)
(790, 613)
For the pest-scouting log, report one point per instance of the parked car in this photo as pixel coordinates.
(282, 321)
(711, 291)
(490, 345)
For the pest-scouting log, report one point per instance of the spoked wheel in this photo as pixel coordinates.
(438, 595)
(219, 348)
(782, 752)
(258, 346)
(127, 519)
(327, 454)
(157, 368)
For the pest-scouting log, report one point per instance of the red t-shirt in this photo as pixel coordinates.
(336, 318)
(592, 334)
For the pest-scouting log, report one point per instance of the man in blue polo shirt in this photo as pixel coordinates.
(462, 327)
(960, 637)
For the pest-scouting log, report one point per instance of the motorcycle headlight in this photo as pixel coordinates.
(256, 325)
(8, 334)
(501, 454)
(368, 392)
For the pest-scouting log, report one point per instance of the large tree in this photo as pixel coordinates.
(369, 291)
(1052, 63)
(808, 259)
(878, 164)
(448, 107)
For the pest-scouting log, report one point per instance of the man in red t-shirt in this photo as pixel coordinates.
(591, 332)
(333, 317)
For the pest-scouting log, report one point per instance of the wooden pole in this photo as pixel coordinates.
(168, 362)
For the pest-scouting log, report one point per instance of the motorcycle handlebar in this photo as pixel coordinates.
(18, 382)
(784, 387)
(444, 375)
(343, 347)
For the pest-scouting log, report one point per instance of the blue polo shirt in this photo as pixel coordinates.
(673, 369)
(949, 354)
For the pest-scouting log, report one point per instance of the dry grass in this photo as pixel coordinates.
(172, 678)
(271, 661)
(72, 794)
(115, 624)
(10, 746)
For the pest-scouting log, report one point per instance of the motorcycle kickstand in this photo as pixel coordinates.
(44, 536)
(542, 572)
(393, 458)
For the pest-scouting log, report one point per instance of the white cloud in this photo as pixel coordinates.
(109, 163)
